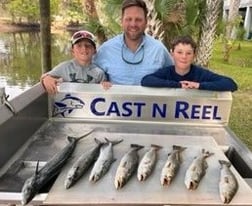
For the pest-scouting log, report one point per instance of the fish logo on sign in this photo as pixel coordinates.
(67, 105)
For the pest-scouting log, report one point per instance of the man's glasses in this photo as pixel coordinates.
(138, 61)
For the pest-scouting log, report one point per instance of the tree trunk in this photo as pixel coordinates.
(230, 28)
(45, 28)
(208, 31)
(90, 9)
(154, 24)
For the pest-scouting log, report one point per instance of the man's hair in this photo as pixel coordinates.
(138, 3)
(183, 40)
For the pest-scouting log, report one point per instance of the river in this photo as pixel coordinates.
(20, 58)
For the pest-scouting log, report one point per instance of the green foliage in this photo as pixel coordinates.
(71, 12)
(239, 68)
(24, 9)
(240, 33)
(111, 16)
(164, 8)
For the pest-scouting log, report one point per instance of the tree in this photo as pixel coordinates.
(232, 22)
(155, 26)
(89, 8)
(207, 32)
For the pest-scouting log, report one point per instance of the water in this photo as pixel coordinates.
(20, 59)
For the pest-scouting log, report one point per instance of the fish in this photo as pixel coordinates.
(197, 170)
(147, 163)
(127, 166)
(104, 161)
(172, 164)
(4, 100)
(228, 184)
(82, 164)
(67, 105)
(41, 177)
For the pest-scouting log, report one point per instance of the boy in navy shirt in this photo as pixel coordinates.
(184, 74)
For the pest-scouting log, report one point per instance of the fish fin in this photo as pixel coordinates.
(10, 107)
(157, 147)
(114, 142)
(205, 165)
(85, 135)
(179, 148)
(137, 146)
(118, 141)
(206, 153)
(224, 162)
(37, 168)
(71, 139)
(97, 141)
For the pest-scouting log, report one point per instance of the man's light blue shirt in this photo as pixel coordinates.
(128, 68)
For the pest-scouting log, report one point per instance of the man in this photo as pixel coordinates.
(129, 56)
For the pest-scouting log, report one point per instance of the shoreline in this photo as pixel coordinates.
(7, 27)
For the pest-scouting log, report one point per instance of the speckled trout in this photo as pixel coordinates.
(228, 184)
(172, 165)
(147, 163)
(197, 170)
(127, 166)
(82, 164)
(104, 161)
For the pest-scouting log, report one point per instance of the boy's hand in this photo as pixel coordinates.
(50, 84)
(106, 85)
(189, 85)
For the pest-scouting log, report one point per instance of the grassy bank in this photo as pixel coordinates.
(240, 69)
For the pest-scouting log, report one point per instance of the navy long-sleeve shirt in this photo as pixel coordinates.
(167, 77)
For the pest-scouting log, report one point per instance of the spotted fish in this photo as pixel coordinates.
(128, 165)
(197, 170)
(147, 163)
(228, 184)
(172, 165)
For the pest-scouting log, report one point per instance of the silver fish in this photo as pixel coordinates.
(172, 165)
(82, 164)
(105, 159)
(196, 170)
(147, 163)
(52, 168)
(228, 184)
(127, 167)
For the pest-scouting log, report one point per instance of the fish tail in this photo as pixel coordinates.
(206, 153)
(224, 162)
(113, 142)
(157, 147)
(71, 139)
(137, 146)
(179, 148)
(97, 141)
